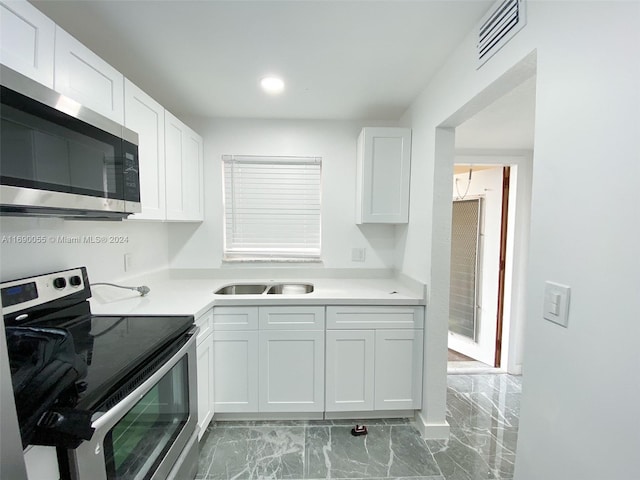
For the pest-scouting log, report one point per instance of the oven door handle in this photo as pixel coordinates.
(114, 415)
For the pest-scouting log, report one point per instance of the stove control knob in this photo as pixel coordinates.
(75, 281)
(59, 283)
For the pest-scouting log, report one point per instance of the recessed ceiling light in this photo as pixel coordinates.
(272, 85)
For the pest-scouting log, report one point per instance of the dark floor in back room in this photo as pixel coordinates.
(482, 410)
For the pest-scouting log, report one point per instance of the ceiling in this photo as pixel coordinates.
(341, 60)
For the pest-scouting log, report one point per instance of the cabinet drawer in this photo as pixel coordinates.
(291, 318)
(205, 322)
(359, 317)
(235, 318)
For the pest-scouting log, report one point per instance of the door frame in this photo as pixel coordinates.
(516, 247)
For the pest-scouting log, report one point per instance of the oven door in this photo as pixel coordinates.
(150, 433)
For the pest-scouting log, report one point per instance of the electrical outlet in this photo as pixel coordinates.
(358, 254)
(128, 262)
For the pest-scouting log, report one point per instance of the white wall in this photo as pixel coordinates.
(579, 407)
(146, 242)
(201, 246)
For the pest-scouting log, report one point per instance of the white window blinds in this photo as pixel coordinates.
(272, 207)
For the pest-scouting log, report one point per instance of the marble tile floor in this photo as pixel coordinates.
(482, 410)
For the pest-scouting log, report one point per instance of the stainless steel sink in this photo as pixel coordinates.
(290, 289)
(242, 289)
(260, 288)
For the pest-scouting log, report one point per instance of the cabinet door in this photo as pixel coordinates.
(85, 77)
(291, 371)
(235, 371)
(383, 172)
(27, 40)
(192, 178)
(398, 369)
(183, 170)
(204, 349)
(349, 375)
(144, 115)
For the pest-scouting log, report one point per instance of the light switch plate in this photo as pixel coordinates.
(556, 303)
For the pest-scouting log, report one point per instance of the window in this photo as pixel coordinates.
(272, 208)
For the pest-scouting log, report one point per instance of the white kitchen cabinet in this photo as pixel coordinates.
(184, 171)
(269, 359)
(349, 370)
(374, 358)
(398, 369)
(27, 39)
(144, 115)
(383, 175)
(235, 370)
(291, 371)
(205, 366)
(83, 76)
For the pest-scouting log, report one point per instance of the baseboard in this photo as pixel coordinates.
(431, 431)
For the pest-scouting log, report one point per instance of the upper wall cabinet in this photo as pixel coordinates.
(83, 76)
(144, 115)
(27, 40)
(383, 175)
(184, 169)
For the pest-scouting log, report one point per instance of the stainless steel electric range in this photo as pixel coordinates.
(116, 395)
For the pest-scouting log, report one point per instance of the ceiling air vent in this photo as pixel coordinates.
(498, 26)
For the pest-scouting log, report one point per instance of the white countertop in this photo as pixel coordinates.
(184, 296)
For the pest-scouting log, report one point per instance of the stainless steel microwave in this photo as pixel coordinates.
(59, 158)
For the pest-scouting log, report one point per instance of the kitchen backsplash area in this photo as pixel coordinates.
(30, 246)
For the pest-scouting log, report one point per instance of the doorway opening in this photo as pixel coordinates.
(492, 160)
(479, 229)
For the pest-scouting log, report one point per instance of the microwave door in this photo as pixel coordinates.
(31, 156)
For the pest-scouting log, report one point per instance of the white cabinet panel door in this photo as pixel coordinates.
(398, 369)
(205, 382)
(349, 375)
(383, 175)
(85, 77)
(184, 169)
(291, 371)
(144, 115)
(235, 371)
(27, 39)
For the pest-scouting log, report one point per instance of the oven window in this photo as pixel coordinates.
(139, 441)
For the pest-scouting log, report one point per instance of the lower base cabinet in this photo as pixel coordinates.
(269, 359)
(204, 353)
(373, 370)
(281, 359)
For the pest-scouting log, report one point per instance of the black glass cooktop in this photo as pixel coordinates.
(115, 347)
